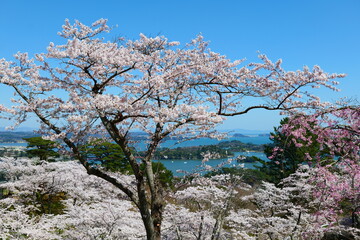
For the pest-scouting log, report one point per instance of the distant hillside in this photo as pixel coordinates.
(264, 135)
(246, 131)
(239, 135)
(15, 137)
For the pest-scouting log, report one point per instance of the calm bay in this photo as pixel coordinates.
(192, 165)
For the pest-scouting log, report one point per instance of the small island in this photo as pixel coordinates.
(239, 135)
(221, 150)
(247, 159)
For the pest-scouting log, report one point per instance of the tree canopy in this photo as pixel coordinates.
(285, 153)
(42, 148)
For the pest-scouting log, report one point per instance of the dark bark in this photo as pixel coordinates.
(149, 194)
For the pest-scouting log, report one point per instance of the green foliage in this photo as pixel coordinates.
(108, 155)
(39, 147)
(287, 160)
(44, 201)
(238, 146)
(4, 193)
(249, 159)
(2, 176)
(49, 203)
(163, 175)
(223, 149)
(111, 157)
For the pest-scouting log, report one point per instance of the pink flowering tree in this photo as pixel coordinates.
(336, 177)
(88, 86)
(293, 210)
(286, 152)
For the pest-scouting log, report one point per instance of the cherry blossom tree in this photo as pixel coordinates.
(207, 201)
(285, 153)
(88, 86)
(337, 176)
(293, 210)
(89, 209)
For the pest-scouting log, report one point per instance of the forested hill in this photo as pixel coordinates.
(222, 149)
(238, 146)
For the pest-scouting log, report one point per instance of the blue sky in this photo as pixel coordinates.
(307, 32)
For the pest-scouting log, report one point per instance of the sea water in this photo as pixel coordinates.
(193, 165)
(183, 167)
(178, 167)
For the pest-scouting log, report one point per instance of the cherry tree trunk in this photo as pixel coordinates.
(152, 223)
(151, 214)
(156, 213)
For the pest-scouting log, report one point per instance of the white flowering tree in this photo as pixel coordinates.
(80, 206)
(87, 86)
(58, 200)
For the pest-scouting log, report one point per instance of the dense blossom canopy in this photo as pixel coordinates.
(138, 84)
(90, 209)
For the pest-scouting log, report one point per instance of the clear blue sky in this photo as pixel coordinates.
(307, 32)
